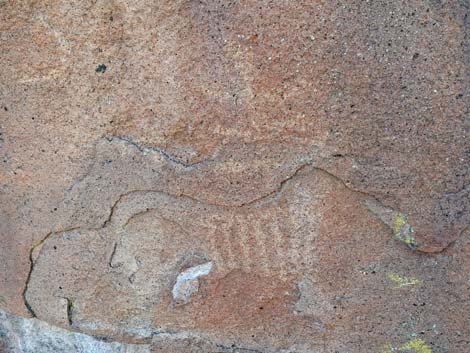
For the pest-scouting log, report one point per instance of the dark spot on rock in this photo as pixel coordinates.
(5, 109)
(101, 68)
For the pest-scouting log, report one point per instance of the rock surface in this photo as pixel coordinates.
(18, 334)
(235, 176)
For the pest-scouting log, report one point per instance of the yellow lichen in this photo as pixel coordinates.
(403, 230)
(401, 281)
(387, 348)
(418, 345)
(399, 222)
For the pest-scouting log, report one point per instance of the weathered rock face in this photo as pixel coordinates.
(34, 336)
(235, 176)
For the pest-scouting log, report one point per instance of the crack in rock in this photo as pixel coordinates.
(146, 149)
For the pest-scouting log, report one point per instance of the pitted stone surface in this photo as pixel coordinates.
(315, 153)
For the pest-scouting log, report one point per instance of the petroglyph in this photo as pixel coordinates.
(270, 253)
(140, 254)
(142, 139)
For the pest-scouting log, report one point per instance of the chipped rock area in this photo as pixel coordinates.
(187, 283)
(234, 176)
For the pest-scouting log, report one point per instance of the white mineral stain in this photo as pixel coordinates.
(187, 282)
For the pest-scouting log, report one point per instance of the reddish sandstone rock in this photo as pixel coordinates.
(314, 153)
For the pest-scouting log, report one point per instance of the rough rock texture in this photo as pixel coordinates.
(235, 176)
(34, 336)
